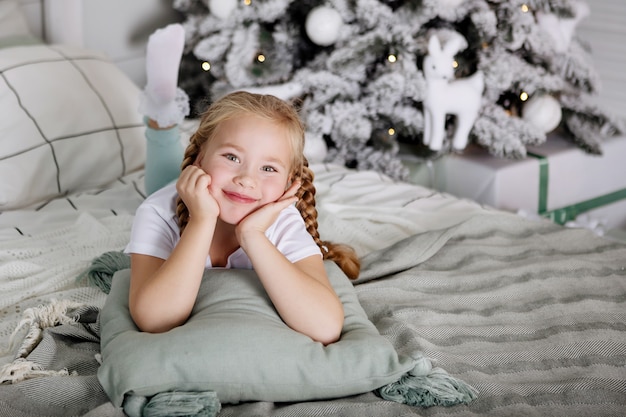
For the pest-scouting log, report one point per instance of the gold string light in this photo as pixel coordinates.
(391, 131)
(523, 96)
(525, 8)
(392, 58)
(247, 2)
(260, 58)
(206, 66)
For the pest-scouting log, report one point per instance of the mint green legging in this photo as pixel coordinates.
(164, 155)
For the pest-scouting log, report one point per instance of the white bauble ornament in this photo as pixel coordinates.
(542, 111)
(222, 8)
(315, 148)
(323, 25)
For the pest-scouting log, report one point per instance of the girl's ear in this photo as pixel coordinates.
(198, 161)
(292, 177)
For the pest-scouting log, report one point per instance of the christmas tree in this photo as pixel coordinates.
(369, 75)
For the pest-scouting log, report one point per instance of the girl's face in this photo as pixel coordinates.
(249, 161)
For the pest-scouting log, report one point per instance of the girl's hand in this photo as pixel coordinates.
(193, 189)
(263, 217)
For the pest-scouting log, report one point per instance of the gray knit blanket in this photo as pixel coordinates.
(530, 314)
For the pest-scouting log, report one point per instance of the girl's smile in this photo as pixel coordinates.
(239, 198)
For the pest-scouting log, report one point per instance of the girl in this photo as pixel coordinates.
(233, 207)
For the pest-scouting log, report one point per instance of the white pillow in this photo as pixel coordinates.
(69, 122)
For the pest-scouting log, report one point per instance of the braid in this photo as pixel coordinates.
(342, 255)
(191, 153)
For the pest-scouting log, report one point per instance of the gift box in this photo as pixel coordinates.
(557, 180)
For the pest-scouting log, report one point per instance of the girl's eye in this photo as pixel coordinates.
(268, 168)
(231, 157)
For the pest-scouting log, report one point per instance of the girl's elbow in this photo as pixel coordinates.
(330, 333)
(144, 325)
(329, 336)
(149, 327)
(148, 324)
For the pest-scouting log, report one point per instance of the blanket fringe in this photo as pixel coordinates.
(39, 318)
(425, 386)
(22, 369)
(102, 269)
(173, 404)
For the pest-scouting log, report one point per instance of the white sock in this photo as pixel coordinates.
(161, 99)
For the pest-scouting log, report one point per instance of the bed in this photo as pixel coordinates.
(530, 314)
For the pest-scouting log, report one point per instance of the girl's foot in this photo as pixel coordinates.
(161, 99)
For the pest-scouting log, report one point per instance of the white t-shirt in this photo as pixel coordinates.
(155, 232)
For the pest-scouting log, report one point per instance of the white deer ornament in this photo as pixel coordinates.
(448, 96)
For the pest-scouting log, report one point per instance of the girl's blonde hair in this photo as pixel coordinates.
(277, 111)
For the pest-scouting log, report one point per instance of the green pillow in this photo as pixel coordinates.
(14, 30)
(237, 346)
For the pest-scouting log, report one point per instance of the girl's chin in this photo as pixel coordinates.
(232, 218)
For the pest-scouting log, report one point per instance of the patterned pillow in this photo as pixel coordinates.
(69, 122)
